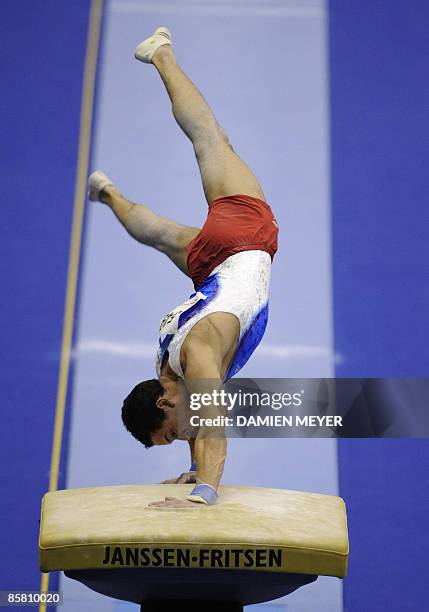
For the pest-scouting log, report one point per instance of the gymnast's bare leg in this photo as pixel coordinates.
(222, 171)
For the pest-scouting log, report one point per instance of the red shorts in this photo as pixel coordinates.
(234, 223)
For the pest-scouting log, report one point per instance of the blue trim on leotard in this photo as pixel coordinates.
(209, 288)
(249, 341)
(163, 346)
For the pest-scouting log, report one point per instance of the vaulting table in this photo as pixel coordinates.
(254, 545)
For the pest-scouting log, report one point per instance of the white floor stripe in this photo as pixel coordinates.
(147, 350)
(213, 9)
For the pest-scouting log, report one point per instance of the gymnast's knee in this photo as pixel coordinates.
(212, 142)
(225, 137)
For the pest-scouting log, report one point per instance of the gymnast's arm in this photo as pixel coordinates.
(191, 442)
(202, 374)
(210, 444)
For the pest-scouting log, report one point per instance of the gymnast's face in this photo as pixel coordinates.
(174, 426)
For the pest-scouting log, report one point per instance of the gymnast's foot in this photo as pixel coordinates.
(99, 186)
(146, 49)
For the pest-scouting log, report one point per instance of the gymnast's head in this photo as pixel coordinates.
(151, 413)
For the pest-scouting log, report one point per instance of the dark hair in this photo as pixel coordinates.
(140, 414)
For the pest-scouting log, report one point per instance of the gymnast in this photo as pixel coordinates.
(213, 333)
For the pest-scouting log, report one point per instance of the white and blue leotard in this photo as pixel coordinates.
(239, 285)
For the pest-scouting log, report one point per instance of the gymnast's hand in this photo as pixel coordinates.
(174, 502)
(185, 478)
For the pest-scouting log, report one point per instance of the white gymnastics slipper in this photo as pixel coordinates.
(96, 182)
(145, 50)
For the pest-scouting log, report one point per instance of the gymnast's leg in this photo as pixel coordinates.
(145, 226)
(223, 173)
